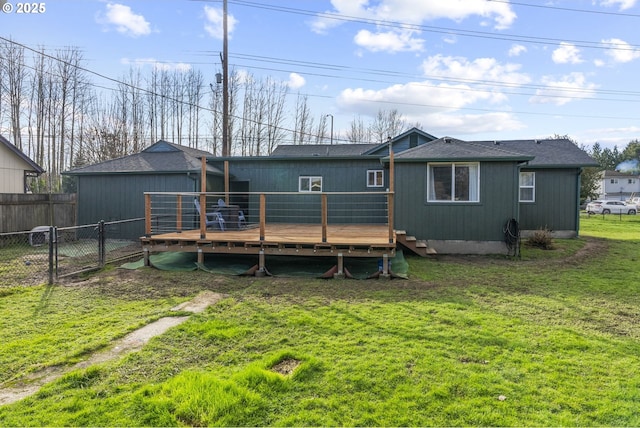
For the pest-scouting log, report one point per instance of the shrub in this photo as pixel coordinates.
(541, 238)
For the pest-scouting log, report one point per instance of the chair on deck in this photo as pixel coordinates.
(210, 219)
(242, 221)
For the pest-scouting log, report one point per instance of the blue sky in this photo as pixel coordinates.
(470, 69)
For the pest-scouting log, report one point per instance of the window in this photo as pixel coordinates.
(375, 178)
(309, 184)
(632, 181)
(614, 181)
(527, 187)
(453, 182)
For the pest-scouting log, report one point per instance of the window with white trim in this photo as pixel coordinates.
(309, 183)
(375, 178)
(614, 181)
(453, 182)
(527, 186)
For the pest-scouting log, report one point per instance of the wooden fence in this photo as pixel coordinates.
(20, 212)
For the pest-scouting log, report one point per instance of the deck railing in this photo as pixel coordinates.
(168, 212)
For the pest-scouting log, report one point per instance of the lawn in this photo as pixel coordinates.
(550, 339)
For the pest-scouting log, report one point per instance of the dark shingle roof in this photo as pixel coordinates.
(549, 153)
(36, 168)
(321, 150)
(159, 157)
(450, 149)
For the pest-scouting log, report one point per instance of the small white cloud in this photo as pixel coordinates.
(214, 25)
(621, 51)
(391, 41)
(124, 20)
(564, 90)
(296, 81)
(622, 4)
(156, 64)
(567, 53)
(517, 50)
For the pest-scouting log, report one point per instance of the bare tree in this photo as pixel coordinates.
(358, 132)
(386, 124)
(276, 95)
(320, 135)
(14, 73)
(302, 131)
(194, 87)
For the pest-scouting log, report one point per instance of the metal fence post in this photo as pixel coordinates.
(101, 243)
(52, 240)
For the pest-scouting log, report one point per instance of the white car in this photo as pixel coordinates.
(611, 207)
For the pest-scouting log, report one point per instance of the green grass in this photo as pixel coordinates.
(555, 334)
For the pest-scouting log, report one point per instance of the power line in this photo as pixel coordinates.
(438, 29)
(144, 90)
(568, 9)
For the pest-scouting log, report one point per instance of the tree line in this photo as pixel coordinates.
(53, 110)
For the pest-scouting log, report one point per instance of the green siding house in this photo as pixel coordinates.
(114, 190)
(456, 195)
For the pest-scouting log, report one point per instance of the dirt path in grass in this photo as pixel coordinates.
(133, 341)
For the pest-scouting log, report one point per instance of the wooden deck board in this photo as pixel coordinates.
(373, 238)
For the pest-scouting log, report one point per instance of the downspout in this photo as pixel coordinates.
(579, 184)
(517, 181)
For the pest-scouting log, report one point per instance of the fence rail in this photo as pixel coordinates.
(49, 253)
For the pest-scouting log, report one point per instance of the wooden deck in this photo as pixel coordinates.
(284, 239)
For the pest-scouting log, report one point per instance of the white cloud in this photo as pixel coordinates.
(623, 4)
(156, 64)
(567, 53)
(621, 51)
(391, 41)
(468, 124)
(410, 12)
(452, 84)
(124, 20)
(517, 50)
(564, 90)
(214, 25)
(296, 81)
(485, 71)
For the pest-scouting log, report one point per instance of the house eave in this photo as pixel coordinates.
(460, 159)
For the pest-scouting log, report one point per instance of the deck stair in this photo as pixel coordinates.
(418, 246)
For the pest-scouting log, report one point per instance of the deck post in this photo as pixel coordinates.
(200, 256)
(179, 214)
(340, 273)
(263, 215)
(147, 215)
(226, 182)
(203, 216)
(324, 217)
(145, 255)
(390, 196)
(390, 202)
(385, 267)
(261, 269)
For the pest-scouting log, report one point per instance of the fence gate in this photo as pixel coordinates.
(47, 253)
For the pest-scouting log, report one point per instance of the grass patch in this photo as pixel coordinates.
(550, 339)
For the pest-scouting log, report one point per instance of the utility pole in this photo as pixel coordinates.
(225, 85)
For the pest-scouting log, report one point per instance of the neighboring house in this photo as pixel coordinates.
(114, 190)
(16, 169)
(618, 185)
(457, 195)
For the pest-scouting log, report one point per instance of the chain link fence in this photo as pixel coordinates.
(48, 253)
